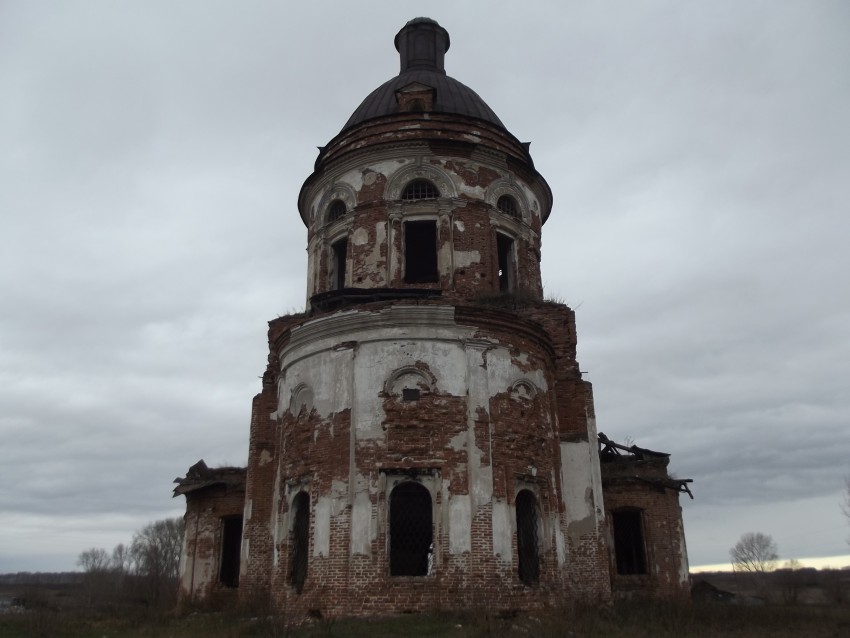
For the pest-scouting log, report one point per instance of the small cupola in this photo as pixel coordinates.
(422, 44)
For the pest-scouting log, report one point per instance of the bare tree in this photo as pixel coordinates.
(121, 559)
(156, 552)
(95, 564)
(754, 552)
(94, 559)
(791, 580)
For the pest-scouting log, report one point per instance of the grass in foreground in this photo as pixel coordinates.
(617, 621)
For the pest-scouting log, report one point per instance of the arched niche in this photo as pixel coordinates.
(523, 390)
(409, 383)
(302, 399)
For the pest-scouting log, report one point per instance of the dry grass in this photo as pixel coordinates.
(616, 621)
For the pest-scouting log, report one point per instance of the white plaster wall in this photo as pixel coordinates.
(347, 357)
(322, 527)
(580, 489)
(362, 527)
(460, 524)
(502, 530)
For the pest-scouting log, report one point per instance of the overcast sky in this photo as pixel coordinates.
(151, 154)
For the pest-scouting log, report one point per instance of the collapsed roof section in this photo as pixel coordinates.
(200, 477)
(633, 464)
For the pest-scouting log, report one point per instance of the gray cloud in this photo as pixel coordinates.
(150, 159)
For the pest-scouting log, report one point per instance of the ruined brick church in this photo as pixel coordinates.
(423, 438)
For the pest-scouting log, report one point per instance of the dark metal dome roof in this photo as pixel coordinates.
(422, 44)
(451, 97)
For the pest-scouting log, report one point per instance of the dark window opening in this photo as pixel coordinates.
(508, 206)
(336, 210)
(340, 253)
(629, 547)
(420, 189)
(526, 537)
(300, 541)
(411, 533)
(420, 252)
(505, 249)
(410, 394)
(231, 548)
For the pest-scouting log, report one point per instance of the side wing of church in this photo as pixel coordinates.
(424, 439)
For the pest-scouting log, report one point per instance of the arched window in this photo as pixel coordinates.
(411, 530)
(508, 206)
(629, 547)
(420, 189)
(336, 210)
(300, 541)
(526, 537)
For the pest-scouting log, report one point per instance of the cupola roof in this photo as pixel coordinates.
(422, 44)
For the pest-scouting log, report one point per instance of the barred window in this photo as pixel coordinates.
(629, 547)
(526, 537)
(336, 210)
(508, 206)
(420, 189)
(300, 541)
(411, 530)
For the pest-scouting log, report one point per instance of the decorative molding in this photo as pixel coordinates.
(341, 191)
(409, 377)
(349, 322)
(506, 186)
(523, 389)
(440, 178)
(302, 399)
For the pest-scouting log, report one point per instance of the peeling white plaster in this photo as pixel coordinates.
(459, 225)
(458, 441)
(502, 530)
(460, 524)
(360, 236)
(464, 258)
(322, 527)
(583, 516)
(684, 567)
(362, 533)
(560, 546)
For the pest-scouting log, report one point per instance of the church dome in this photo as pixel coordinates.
(422, 44)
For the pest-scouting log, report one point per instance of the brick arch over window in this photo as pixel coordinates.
(411, 530)
(506, 188)
(527, 541)
(406, 381)
(399, 180)
(339, 192)
(300, 541)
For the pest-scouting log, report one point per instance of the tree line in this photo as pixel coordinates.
(145, 571)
